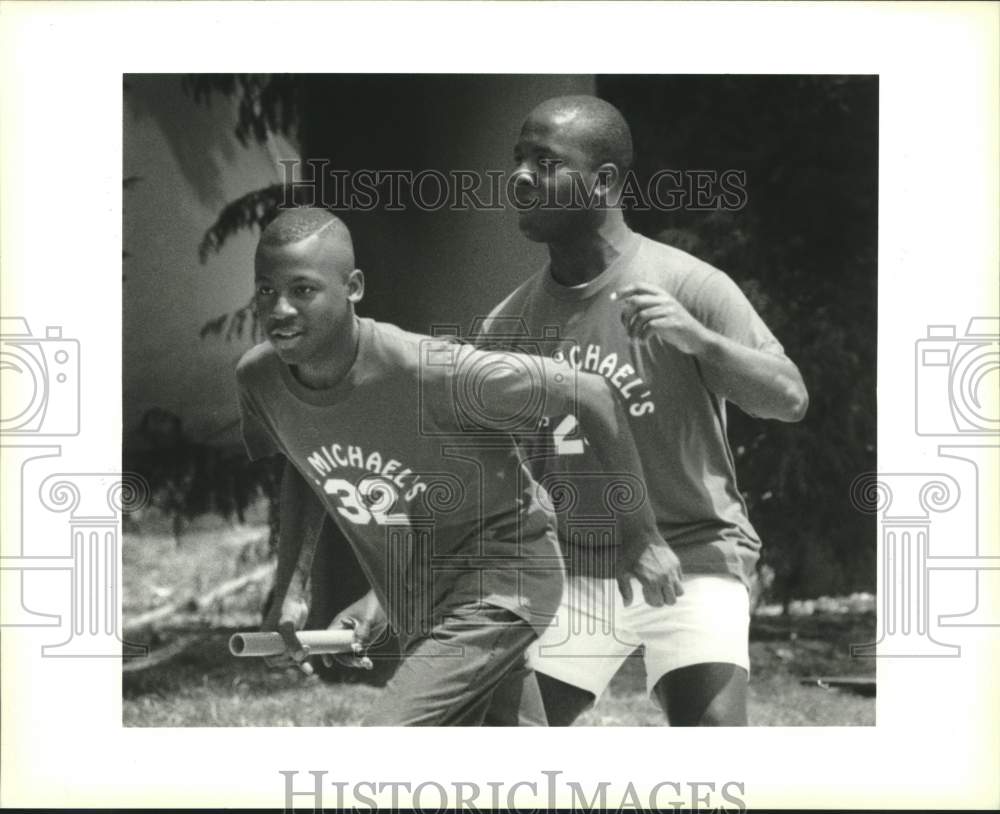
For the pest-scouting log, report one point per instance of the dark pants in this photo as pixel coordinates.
(470, 671)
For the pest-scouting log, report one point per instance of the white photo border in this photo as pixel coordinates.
(935, 742)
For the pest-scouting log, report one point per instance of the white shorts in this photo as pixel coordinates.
(593, 632)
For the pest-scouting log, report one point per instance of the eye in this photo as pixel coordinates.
(264, 290)
(304, 290)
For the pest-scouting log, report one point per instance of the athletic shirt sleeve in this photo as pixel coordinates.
(503, 325)
(720, 305)
(490, 390)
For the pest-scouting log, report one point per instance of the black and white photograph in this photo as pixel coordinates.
(722, 280)
(621, 379)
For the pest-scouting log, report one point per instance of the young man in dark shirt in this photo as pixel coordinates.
(402, 441)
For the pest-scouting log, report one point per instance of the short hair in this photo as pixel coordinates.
(601, 125)
(297, 224)
(293, 225)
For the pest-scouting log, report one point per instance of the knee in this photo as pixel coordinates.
(563, 702)
(713, 694)
(725, 710)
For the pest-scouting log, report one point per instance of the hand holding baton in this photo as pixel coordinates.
(310, 643)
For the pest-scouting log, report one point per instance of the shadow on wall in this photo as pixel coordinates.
(191, 131)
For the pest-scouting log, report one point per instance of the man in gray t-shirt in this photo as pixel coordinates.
(677, 339)
(403, 442)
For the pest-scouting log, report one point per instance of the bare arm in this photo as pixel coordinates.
(766, 385)
(300, 527)
(643, 552)
(301, 517)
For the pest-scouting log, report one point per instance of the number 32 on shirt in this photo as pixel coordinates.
(370, 500)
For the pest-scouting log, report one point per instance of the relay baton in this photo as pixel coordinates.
(271, 644)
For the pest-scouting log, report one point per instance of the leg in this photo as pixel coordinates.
(697, 660)
(517, 701)
(709, 694)
(450, 677)
(563, 702)
(580, 652)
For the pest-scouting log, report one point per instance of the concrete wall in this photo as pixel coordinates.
(441, 266)
(188, 164)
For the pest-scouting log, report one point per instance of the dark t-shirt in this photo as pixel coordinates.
(679, 424)
(439, 510)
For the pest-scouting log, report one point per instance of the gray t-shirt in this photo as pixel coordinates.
(679, 424)
(439, 509)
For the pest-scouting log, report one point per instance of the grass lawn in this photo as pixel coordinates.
(205, 686)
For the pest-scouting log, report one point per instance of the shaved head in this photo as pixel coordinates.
(316, 226)
(572, 156)
(593, 124)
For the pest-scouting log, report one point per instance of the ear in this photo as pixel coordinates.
(355, 286)
(608, 177)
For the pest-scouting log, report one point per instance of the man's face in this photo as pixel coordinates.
(304, 300)
(555, 176)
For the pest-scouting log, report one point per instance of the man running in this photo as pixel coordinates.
(401, 440)
(677, 339)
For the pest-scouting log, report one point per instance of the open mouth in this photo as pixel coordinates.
(285, 334)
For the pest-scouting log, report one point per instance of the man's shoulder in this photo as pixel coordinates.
(505, 317)
(256, 362)
(396, 344)
(681, 274)
(403, 353)
(673, 261)
(418, 363)
(513, 301)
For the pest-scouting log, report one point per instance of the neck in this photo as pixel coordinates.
(328, 372)
(581, 258)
